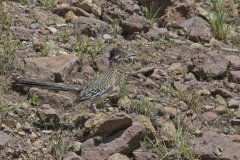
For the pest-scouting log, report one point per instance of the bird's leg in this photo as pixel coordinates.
(94, 107)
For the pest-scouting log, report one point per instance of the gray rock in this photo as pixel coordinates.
(189, 77)
(210, 116)
(48, 115)
(121, 142)
(53, 99)
(4, 139)
(197, 29)
(235, 76)
(208, 65)
(213, 146)
(44, 68)
(222, 92)
(144, 155)
(34, 26)
(91, 26)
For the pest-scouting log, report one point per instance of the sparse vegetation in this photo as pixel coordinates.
(122, 86)
(59, 147)
(161, 44)
(217, 19)
(150, 11)
(142, 106)
(8, 47)
(229, 113)
(46, 3)
(35, 102)
(116, 25)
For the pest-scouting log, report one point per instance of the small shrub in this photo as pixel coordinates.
(35, 102)
(46, 3)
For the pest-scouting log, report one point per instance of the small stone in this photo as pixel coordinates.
(180, 86)
(220, 100)
(234, 61)
(176, 68)
(234, 103)
(107, 37)
(52, 29)
(168, 131)
(71, 156)
(171, 110)
(235, 76)
(34, 26)
(210, 116)
(189, 77)
(235, 121)
(48, 115)
(76, 146)
(183, 106)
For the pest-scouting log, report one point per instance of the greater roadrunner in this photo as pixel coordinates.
(95, 90)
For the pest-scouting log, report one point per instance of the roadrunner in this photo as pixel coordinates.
(95, 90)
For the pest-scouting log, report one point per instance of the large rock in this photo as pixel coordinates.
(4, 139)
(71, 156)
(63, 10)
(208, 65)
(213, 146)
(44, 68)
(112, 123)
(91, 26)
(156, 33)
(197, 29)
(124, 142)
(235, 76)
(23, 34)
(53, 99)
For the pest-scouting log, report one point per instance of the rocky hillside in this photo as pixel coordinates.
(178, 99)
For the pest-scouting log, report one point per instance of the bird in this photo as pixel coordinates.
(95, 90)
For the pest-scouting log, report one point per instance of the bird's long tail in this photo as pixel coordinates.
(46, 85)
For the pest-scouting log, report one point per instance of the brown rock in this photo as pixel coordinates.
(121, 142)
(142, 155)
(23, 34)
(197, 29)
(234, 61)
(48, 115)
(222, 92)
(220, 110)
(53, 99)
(216, 146)
(45, 69)
(209, 64)
(235, 76)
(210, 116)
(118, 156)
(180, 86)
(91, 26)
(4, 139)
(113, 123)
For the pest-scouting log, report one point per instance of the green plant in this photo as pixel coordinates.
(151, 12)
(63, 35)
(8, 47)
(142, 106)
(45, 49)
(181, 144)
(217, 19)
(46, 3)
(5, 18)
(122, 86)
(116, 25)
(161, 44)
(95, 28)
(35, 102)
(59, 147)
(229, 113)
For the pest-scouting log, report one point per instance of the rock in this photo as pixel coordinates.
(222, 92)
(147, 123)
(53, 30)
(48, 116)
(208, 65)
(180, 86)
(176, 68)
(45, 17)
(124, 102)
(107, 37)
(71, 156)
(171, 110)
(235, 76)
(234, 103)
(220, 100)
(82, 118)
(118, 156)
(156, 33)
(124, 142)
(44, 69)
(112, 123)
(144, 155)
(168, 131)
(234, 61)
(23, 34)
(146, 71)
(197, 29)
(215, 146)
(63, 10)
(4, 139)
(91, 26)
(177, 14)
(53, 99)
(149, 83)
(210, 116)
(135, 24)
(34, 26)
(76, 146)
(85, 5)
(208, 107)
(220, 110)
